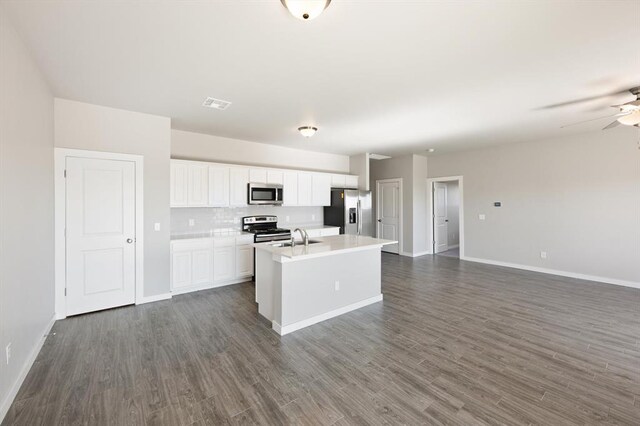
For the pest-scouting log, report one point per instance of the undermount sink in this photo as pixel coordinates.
(288, 243)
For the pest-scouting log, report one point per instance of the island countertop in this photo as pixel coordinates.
(326, 246)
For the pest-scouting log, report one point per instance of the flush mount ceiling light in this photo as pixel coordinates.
(306, 9)
(214, 103)
(307, 131)
(431, 150)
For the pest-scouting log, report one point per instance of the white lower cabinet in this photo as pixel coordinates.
(201, 263)
(244, 261)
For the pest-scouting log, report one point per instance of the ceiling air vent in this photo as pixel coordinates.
(216, 103)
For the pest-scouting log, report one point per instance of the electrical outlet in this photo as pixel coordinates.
(8, 352)
(543, 254)
(287, 218)
(192, 222)
(482, 217)
(313, 217)
(156, 226)
(337, 285)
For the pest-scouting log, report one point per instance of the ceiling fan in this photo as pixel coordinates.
(629, 114)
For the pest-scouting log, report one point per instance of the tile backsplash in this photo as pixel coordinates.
(209, 218)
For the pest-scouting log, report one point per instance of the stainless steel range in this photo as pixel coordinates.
(265, 228)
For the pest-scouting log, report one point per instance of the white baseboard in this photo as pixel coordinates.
(209, 286)
(156, 298)
(13, 391)
(282, 330)
(606, 280)
(453, 246)
(420, 253)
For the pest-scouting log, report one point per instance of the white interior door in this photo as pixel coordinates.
(389, 211)
(440, 220)
(100, 234)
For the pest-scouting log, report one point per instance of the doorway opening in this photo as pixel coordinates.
(447, 213)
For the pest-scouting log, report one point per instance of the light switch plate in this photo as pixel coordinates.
(313, 217)
(543, 254)
(156, 226)
(482, 217)
(192, 222)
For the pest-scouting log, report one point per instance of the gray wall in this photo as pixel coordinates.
(359, 165)
(96, 128)
(26, 209)
(198, 146)
(577, 198)
(413, 171)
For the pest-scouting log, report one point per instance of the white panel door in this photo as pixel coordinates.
(275, 177)
(100, 233)
(198, 185)
(321, 192)
(388, 211)
(440, 220)
(244, 261)
(223, 263)
(290, 188)
(238, 186)
(218, 186)
(258, 175)
(179, 181)
(304, 189)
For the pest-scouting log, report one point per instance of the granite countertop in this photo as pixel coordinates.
(326, 246)
(213, 233)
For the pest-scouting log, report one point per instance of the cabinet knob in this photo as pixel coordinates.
(129, 240)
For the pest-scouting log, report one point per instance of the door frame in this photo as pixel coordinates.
(430, 208)
(60, 213)
(400, 211)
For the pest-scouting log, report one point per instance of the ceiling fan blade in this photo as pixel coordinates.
(612, 125)
(590, 98)
(620, 114)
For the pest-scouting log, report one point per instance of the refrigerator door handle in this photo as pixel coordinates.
(359, 219)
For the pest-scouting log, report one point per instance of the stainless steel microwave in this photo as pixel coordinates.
(262, 193)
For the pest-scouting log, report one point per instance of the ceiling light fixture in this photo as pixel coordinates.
(306, 9)
(431, 150)
(307, 131)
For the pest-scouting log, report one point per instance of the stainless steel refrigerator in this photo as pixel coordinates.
(350, 210)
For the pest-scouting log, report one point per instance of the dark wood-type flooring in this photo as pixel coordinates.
(453, 343)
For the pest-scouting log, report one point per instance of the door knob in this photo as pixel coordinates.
(380, 220)
(129, 240)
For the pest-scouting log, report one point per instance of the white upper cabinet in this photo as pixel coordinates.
(290, 188)
(258, 175)
(275, 177)
(351, 181)
(338, 181)
(179, 183)
(238, 185)
(218, 186)
(198, 185)
(321, 189)
(304, 189)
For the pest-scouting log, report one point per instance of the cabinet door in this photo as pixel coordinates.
(202, 266)
(198, 185)
(290, 188)
(351, 182)
(179, 183)
(244, 261)
(239, 179)
(304, 189)
(338, 181)
(258, 175)
(321, 191)
(218, 186)
(223, 263)
(275, 177)
(180, 269)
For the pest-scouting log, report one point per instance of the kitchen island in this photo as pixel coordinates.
(302, 285)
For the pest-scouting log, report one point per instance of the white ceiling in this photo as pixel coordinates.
(381, 76)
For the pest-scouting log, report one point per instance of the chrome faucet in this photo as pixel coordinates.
(303, 234)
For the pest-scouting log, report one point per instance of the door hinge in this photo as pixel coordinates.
(65, 291)
(65, 173)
